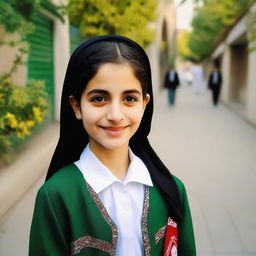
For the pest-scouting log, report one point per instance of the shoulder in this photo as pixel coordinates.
(63, 180)
(181, 188)
(179, 183)
(182, 193)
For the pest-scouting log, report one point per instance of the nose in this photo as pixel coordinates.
(115, 112)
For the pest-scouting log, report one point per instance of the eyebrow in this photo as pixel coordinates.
(95, 91)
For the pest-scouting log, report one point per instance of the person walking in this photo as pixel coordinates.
(214, 84)
(106, 190)
(198, 78)
(171, 83)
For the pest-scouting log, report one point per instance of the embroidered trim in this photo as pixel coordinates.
(107, 218)
(172, 222)
(88, 241)
(160, 234)
(144, 225)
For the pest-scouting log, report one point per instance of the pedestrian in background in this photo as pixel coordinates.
(106, 191)
(171, 83)
(214, 84)
(198, 81)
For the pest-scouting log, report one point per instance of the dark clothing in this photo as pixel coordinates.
(171, 83)
(214, 84)
(171, 96)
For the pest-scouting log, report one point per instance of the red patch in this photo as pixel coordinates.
(171, 239)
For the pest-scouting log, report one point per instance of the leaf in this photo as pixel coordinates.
(96, 17)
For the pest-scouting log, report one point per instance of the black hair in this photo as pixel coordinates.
(83, 65)
(106, 52)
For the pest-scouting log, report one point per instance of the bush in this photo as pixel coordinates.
(21, 109)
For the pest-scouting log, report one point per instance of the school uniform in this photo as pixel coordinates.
(70, 218)
(78, 209)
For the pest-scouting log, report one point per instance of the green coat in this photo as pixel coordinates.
(69, 219)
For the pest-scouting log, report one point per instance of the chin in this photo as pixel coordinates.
(113, 145)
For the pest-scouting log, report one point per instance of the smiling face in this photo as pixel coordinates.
(111, 107)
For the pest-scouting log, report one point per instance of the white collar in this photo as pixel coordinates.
(99, 176)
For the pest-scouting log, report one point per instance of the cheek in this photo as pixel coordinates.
(90, 118)
(137, 115)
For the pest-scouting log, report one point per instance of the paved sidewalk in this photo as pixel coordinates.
(213, 151)
(14, 233)
(15, 180)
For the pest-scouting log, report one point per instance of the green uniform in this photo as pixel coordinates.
(70, 219)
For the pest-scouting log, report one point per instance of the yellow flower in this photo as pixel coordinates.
(20, 97)
(23, 130)
(20, 135)
(30, 124)
(12, 121)
(42, 102)
(38, 114)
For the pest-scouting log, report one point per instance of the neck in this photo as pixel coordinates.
(117, 161)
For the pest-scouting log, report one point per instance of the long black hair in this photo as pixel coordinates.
(83, 65)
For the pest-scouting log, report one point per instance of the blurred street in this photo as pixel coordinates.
(213, 151)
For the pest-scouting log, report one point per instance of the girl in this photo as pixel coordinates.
(107, 192)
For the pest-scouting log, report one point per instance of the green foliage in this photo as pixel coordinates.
(252, 31)
(184, 51)
(127, 17)
(211, 19)
(21, 109)
(15, 15)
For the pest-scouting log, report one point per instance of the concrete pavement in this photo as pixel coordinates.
(213, 151)
(23, 177)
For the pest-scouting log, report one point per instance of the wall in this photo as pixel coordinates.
(251, 92)
(238, 70)
(61, 55)
(165, 31)
(7, 54)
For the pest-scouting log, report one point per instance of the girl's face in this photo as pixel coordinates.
(111, 107)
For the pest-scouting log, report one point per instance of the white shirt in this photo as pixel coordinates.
(172, 76)
(123, 200)
(215, 77)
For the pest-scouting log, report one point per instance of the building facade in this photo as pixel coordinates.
(162, 50)
(49, 51)
(238, 65)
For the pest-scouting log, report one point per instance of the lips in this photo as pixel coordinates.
(114, 131)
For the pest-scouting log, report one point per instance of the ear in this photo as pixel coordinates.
(146, 100)
(76, 107)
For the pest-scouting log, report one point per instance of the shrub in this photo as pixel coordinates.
(21, 109)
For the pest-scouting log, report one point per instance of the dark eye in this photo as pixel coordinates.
(130, 99)
(98, 99)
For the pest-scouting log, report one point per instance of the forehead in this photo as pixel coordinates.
(114, 77)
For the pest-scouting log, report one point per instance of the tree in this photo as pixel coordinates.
(252, 31)
(211, 19)
(184, 51)
(129, 18)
